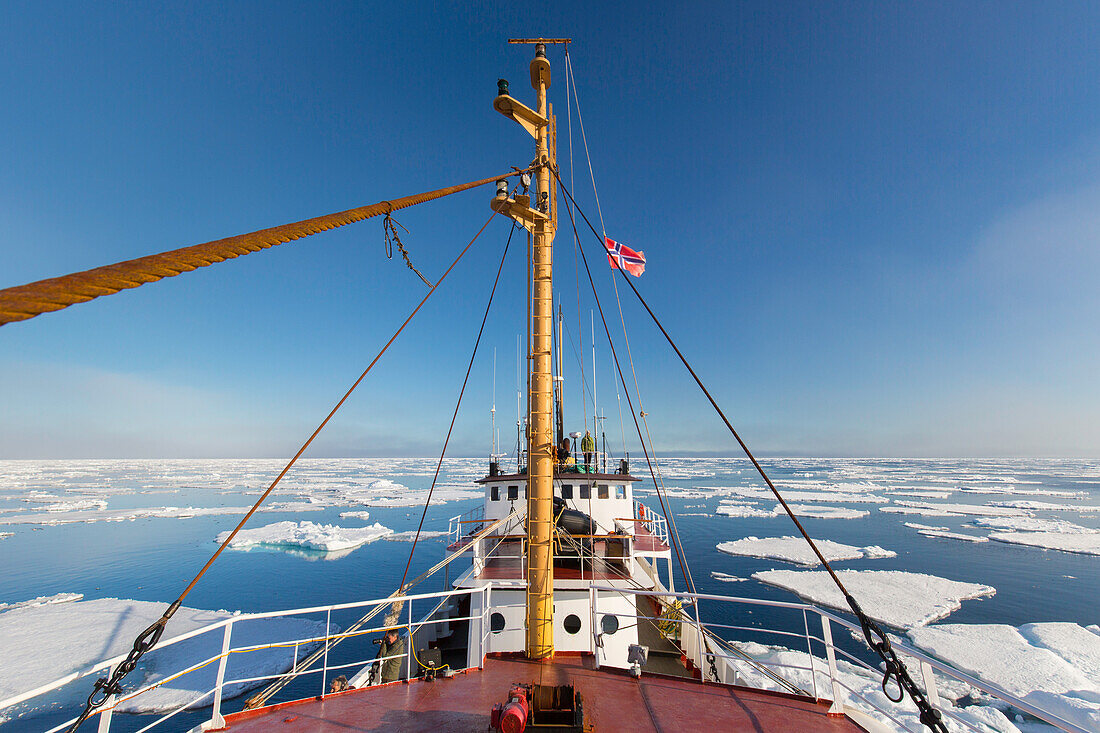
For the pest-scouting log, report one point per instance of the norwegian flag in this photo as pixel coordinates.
(621, 256)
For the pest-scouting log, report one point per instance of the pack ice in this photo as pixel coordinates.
(893, 597)
(306, 536)
(797, 551)
(70, 635)
(1055, 666)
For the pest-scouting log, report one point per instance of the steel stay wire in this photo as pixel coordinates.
(895, 668)
(147, 639)
(660, 494)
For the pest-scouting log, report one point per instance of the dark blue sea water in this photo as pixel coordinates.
(153, 558)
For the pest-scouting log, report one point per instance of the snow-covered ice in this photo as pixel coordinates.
(859, 687)
(744, 511)
(1083, 544)
(354, 515)
(1045, 506)
(920, 511)
(894, 597)
(1033, 524)
(796, 550)
(408, 536)
(825, 512)
(70, 635)
(1052, 665)
(125, 515)
(918, 525)
(726, 577)
(306, 536)
(944, 534)
(986, 511)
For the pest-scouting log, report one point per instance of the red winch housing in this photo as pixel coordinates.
(511, 717)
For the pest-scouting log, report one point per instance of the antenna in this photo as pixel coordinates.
(493, 409)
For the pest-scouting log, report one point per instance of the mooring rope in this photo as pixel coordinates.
(27, 301)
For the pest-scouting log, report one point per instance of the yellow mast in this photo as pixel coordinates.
(541, 220)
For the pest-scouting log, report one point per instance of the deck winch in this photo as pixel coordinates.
(540, 708)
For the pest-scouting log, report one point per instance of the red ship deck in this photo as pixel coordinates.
(612, 702)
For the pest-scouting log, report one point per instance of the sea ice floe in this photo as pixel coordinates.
(1033, 524)
(894, 597)
(981, 511)
(920, 511)
(1083, 544)
(408, 536)
(825, 512)
(859, 688)
(796, 550)
(167, 512)
(917, 525)
(1046, 506)
(1016, 491)
(921, 494)
(726, 577)
(1052, 665)
(70, 635)
(354, 515)
(946, 535)
(305, 536)
(744, 511)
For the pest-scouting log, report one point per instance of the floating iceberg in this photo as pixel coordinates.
(893, 597)
(305, 536)
(70, 635)
(796, 550)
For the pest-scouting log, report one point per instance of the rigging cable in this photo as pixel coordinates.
(458, 404)
(27, 301)
(147, 639)
(677, 545)
(875, 637)
(599, 209)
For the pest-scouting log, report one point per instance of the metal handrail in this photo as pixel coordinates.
(928, 664)
(227, 626)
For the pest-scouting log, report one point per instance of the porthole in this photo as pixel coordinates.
(496, 622)
(572, 623)
(609, 624)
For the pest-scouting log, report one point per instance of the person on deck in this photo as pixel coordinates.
(392, 645)
(588, 447)
(565, 455)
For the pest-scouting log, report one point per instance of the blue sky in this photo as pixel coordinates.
(873, 227)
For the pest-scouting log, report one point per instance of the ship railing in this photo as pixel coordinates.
(414, 628)
(651, 520)
(466, 524)
(596, 557)
(721, 661)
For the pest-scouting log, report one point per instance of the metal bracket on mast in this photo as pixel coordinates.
(518, 209)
